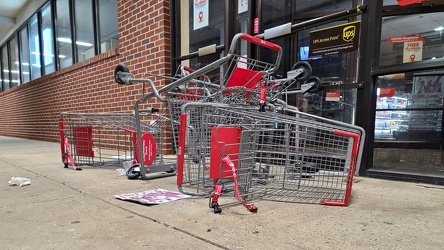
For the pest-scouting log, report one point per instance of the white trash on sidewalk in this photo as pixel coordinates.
(19, 181)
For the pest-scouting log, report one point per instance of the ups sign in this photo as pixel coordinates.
(348, 33)
(336, 39)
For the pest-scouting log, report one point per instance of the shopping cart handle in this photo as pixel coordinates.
(260, 42)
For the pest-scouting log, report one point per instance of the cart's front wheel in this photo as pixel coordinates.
(120, 68)
(306, 70)
(133, 172)
(316, 84)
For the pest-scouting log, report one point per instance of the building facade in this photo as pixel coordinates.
(390, 83)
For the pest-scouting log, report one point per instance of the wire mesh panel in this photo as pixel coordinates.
(108, 139)
(281, 155)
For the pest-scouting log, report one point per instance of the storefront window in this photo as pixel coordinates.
(48, 41)
(84, 29)
(390, 2)
(411, 38)
(202, 25)
(5, 64)
(408, 124)
(333, 71)
(24, 48)
(63, 27)
(309, 7)
(15, 73)
(34, 43)
(108, 26)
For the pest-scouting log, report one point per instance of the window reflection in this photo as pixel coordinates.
(408, 125)
(5, 64)
(84, 29)
(202, 34)
(307, 7)
(34, 44)
(108, 26)
(48, 48)
(15, 73)
(411, 38)
(24, 48)
(63, 27)
(409, 108)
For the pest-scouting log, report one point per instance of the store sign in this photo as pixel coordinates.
(412, 51)
(386, 92)
(242, 6)
(403, 39)
(201, 14)
(412, 47)
(334, 40)
(332, 96)
(256, 26)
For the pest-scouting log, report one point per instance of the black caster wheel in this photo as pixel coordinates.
(316, 84)
(306, 69)
(133, 172)
(120, 68)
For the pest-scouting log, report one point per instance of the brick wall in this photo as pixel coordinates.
(32, 110)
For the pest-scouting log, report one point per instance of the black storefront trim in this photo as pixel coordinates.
(409, 67)
(408, 177)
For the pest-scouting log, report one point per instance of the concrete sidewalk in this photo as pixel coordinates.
(67, 209)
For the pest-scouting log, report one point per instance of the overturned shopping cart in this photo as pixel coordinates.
(280, 154)
(109, 139)
(243, 81)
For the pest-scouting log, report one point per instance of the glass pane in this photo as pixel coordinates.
(24, 48)
(411, 38)
(339, 104)
(84, 29)
(48, 41)
(319, 6)
(5, 63)
(333, 70)
(109, 36)
(34, 44)
(414, 161)
(15, 73)
(64, 41)
(206, 27)
(275, 13)
(409, 108)
(409, 112)
(390, 2)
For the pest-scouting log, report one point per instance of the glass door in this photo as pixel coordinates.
(408, 124)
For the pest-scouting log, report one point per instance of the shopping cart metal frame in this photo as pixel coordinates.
(235, 117)
(123, 76)
(80, 132)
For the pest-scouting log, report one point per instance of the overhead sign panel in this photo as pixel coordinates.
(333, 40)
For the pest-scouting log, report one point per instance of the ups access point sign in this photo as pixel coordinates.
(335, 39)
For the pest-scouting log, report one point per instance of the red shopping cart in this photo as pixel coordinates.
(243, 81)
(280, 155)
(109, 139)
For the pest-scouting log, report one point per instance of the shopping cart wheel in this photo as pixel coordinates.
(133, 172)
(306, 69)
(120, 68)
(316, 84)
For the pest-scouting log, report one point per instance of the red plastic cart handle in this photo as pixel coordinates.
(260, 42)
